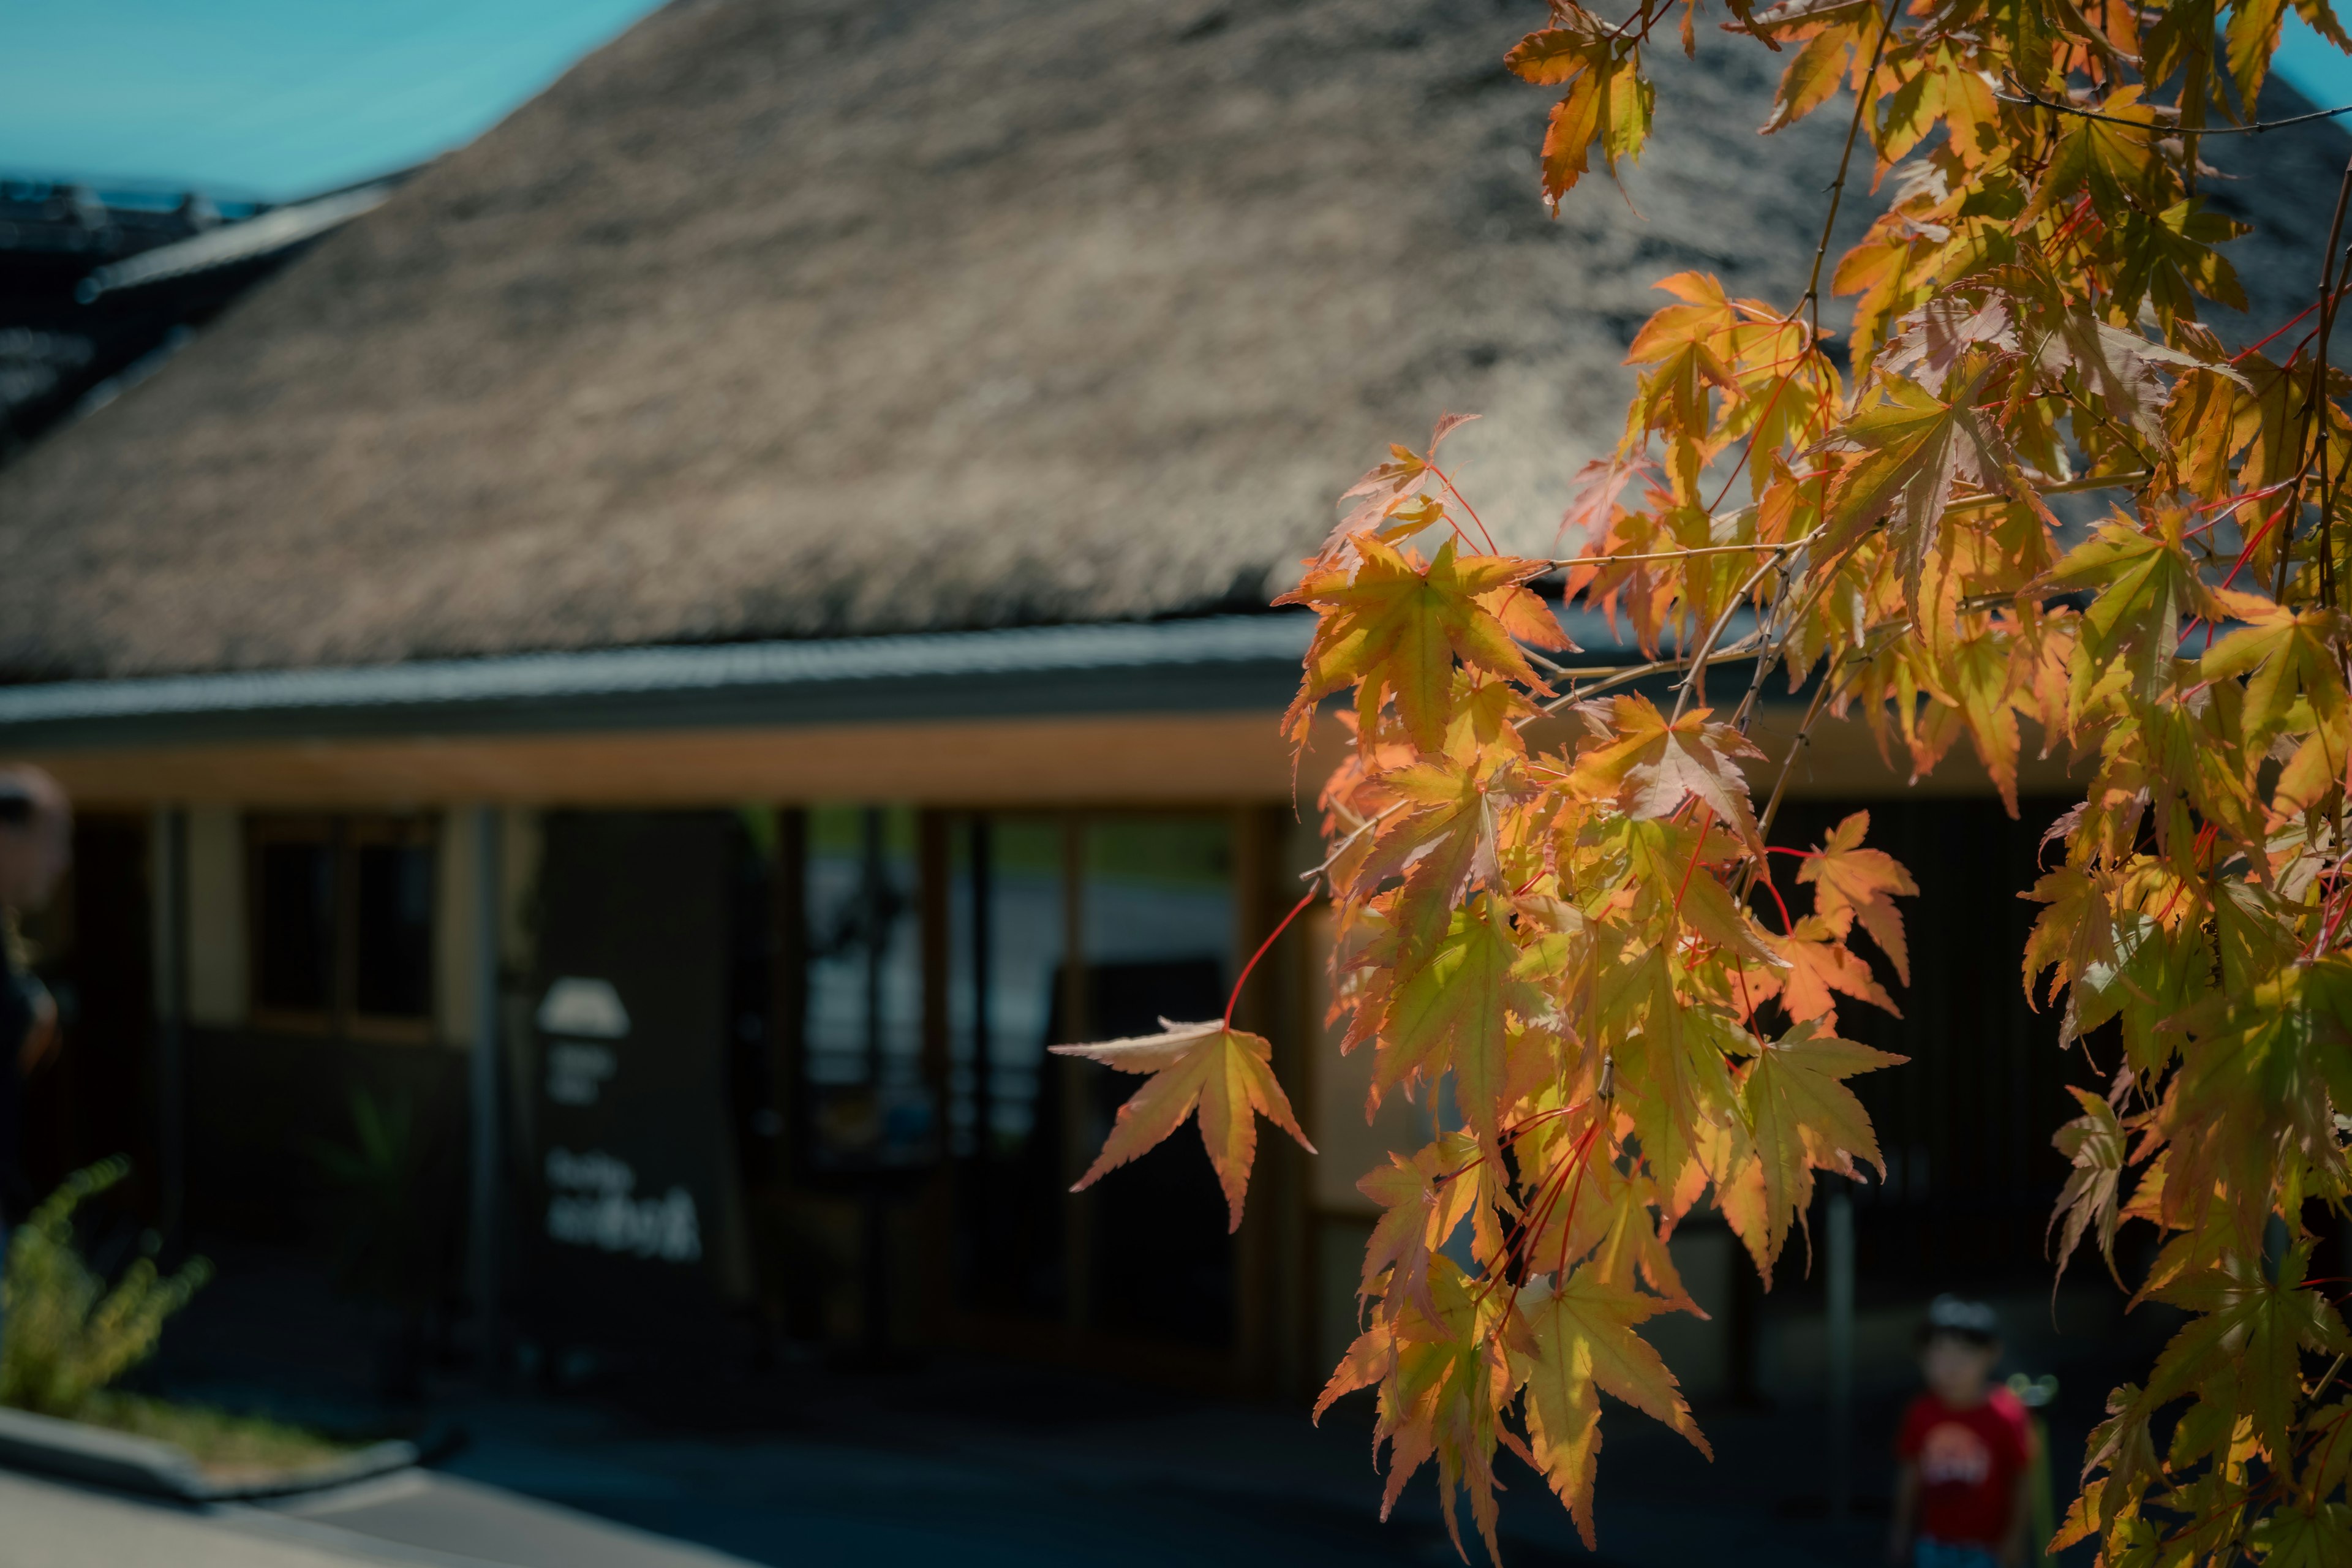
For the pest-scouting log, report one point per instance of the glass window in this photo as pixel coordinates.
(862, 1036)
(1006, 931)
(294, 949)
(392, 917)
(1158, 927)
(342, 921)
(1155, 922)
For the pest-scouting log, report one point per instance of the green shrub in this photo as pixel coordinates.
(64, 1333)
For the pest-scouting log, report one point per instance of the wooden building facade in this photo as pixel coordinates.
(696, 639)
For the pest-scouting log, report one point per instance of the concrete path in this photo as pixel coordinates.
(416, 1517)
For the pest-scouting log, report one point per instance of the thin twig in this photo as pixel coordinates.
(1674, 555)
(1312, 872)
(1812, 296)
(1744, 649)
(2023, 97)
(1787, 766)
(1706, 645)
(2318, 386)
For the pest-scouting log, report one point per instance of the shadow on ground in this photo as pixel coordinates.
(981, 1463)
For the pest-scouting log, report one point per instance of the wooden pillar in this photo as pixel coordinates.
(490, 928)
(935, 1215)
(1077, 1209)
(1273, 1311)
(168, 830)
(1841, 1347)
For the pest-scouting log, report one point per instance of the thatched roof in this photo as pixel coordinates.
(786, 317)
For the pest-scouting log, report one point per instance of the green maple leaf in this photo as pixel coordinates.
(1448, 1014)
(2250, 1337)
(1670, 1071)
(1912, 449)
(2283, 654)
(2115, 158)
(2254, 1099)
(2295, 1538)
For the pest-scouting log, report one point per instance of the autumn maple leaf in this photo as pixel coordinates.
(2094, 1145)
(1907, 454)
(1220, 1070)
(1572, 1344)
(1817, 967)
(1850, 882)
(1798, 1117)
(1425, 1200)
(1650, 764)
(1392, 491)
(1392, 628)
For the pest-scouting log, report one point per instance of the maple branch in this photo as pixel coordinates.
(1696, 677)
(1447, 481)
(1782, 546)
(2023, 97)
(2318, 390)
(1313, 872)
(1743, 648)
(2283, 327)
(1788, 764)
(1812, 295)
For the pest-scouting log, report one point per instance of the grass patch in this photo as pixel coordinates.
(228, 1448)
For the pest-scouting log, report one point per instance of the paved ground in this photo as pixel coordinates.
(421, 1518)
(958, 1462)
(566, 1488)
(1209, 1487)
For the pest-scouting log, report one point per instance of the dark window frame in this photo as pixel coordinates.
(342, 836)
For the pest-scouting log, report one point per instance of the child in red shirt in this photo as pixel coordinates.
(1966, 1450)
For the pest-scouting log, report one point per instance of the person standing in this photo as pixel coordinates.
(1966, 1450)
(35, 849)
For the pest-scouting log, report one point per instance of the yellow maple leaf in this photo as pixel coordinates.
(1573, 1344)
(1220, 1070)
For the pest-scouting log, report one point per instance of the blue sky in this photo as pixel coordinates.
(272, 97)
(2312, 63)
(282, 97)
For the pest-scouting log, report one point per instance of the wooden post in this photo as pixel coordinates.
(1840, 1348)
(1077, 1211)
(934, 880)
(168, 830)
(490, 928)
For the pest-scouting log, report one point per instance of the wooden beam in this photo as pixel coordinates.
(1173, 759)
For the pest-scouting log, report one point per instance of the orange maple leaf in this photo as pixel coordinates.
(1220, 1070)
(1651, 765)
(1850, 882)
(1818, 966)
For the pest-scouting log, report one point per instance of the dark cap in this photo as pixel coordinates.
(1972, 1321)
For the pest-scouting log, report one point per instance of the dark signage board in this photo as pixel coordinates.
(631, 1210)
